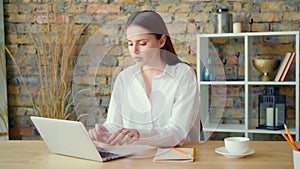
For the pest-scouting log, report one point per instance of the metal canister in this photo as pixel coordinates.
(223, 21)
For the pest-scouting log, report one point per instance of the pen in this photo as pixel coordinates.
(181, 151)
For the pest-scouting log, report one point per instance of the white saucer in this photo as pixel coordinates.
(225, 153)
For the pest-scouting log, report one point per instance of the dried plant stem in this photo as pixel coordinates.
(19, 72)
(55, 48)
(3, 102)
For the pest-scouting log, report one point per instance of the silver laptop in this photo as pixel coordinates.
(70, 138)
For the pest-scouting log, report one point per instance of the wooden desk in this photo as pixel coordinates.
(35, 155)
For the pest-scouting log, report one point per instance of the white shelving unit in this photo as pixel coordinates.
(203, 50)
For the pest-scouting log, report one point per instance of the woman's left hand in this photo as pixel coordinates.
(123, 136)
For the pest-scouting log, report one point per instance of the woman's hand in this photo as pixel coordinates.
(99, 133)
(123, 136)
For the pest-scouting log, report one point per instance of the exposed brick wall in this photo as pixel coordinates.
(184, 19)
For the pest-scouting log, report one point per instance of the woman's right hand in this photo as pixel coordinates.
(99, 133)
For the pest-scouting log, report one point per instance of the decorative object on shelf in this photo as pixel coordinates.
(237, 27)
(250, 22)
(224, 61)
(233, 70)
(265, 65)
(237, 54)
(287, 67)
(228, 70)
(209, 72)
(284, 66)
(223, 21)
(271, 109)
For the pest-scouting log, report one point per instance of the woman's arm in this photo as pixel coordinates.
(113, 121)
(114, 117)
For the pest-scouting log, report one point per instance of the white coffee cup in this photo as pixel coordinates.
(237, 145)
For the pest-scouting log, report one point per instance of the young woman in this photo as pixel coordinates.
(155, 101)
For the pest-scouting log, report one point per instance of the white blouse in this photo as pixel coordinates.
(169, 117)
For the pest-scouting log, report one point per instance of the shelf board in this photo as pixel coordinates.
(241, 128)
(222, 82)
(224, 127)
(287, 83)
(226, 35)
(263, 131)
(271, 83)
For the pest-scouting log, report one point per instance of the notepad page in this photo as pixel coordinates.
(167, 154)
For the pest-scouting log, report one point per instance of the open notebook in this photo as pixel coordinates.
(175, 155)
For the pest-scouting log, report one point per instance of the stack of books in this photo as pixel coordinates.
(284, 66)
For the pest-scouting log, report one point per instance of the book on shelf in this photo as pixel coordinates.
(288, 65)
(175, 155)
(282, 66)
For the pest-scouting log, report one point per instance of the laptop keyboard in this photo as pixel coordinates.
(105, 154)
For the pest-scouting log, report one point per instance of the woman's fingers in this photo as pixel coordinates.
(115, 137)
(91, 134)
(100, 129)
(135, 136)
(95, 137)
(123, 136)
(120, 137)
(99, 133)
(128, 139)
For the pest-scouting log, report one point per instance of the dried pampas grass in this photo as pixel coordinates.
(55, 49)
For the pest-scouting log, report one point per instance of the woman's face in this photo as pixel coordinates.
(143, 46)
